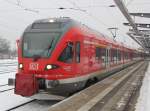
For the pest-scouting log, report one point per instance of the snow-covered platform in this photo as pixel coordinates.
(143, 103)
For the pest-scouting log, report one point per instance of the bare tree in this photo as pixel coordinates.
(4, 46)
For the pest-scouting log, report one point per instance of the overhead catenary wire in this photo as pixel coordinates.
(19, 4)
(89, 6)
(91, 15)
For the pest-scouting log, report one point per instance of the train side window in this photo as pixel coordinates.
(77, 52)
(119, 55)
(98, 53)
(113, 55)
(103, 54)
(67, 54)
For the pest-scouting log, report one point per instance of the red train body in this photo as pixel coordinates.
(60, 56)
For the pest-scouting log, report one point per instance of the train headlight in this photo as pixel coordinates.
(51, 66)
(20, 66)
(48, 67)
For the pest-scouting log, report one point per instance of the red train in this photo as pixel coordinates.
(60, 56)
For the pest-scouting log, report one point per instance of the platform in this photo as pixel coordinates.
(95, 97)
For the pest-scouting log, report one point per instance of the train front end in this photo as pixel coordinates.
(39, 49)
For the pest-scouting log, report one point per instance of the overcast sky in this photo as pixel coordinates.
(14, 19)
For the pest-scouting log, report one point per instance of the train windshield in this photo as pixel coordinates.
(37, 44)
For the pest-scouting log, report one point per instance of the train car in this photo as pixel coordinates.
(59, 56)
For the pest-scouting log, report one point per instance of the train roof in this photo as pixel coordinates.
(50, 20)
(55, 24)
(65, 23)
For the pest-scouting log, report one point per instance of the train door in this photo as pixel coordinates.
(77, 54)
(78, 62)
(107, 58)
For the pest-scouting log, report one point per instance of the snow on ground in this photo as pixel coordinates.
(37, 106)
(9, 99)
(5, 88)
(8, 68)
(143, 103)
(8, 60)
(4, 77)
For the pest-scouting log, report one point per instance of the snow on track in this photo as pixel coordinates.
(36, 106)
(9, 99)
(5, 88)
(143, 103)
(4, 77)
(8, 60)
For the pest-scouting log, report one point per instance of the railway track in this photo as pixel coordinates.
(5, 87)
(111, 94)
(8, 71)
(8, 64)
(6, 90)
(20, 105)
(34, 105)
(5, 66)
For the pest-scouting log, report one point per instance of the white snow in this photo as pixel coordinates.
(8, 60)
(9, 99)
(8, 68)
(4, 77)
(36, 106)
(5, 88)
(143, 103)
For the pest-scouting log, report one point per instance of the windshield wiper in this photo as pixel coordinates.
(46, 50)
(50, 46)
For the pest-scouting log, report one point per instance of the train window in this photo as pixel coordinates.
(39, 43)
(119, 55)
(98, 54)
(103, 54)
(67, 54)
(77, 52)
(113, 55)
(126, 55)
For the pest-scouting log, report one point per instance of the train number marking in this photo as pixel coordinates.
(34, 66)
(67, 68)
